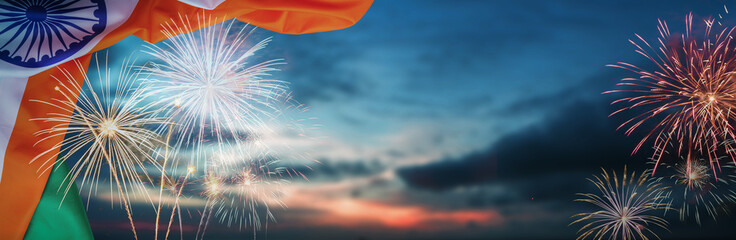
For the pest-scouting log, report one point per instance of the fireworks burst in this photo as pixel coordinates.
(251, 188)
(107, 128)
(694, 175)
(241, 189)
(700, 190)
(207, 84)
(626, 206)
(690, 93)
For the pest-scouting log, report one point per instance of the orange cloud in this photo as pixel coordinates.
(350, 212)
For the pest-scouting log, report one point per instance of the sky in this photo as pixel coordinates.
(448, 120)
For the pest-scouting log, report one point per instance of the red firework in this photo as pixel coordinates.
(689, 95)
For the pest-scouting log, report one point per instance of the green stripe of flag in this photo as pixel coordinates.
(52, 221)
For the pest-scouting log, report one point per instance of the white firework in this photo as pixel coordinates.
(626, 207)
(206, 83)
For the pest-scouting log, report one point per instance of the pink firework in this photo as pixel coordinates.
(688, 97)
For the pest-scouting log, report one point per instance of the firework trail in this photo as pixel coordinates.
(213, 189)
(163, 183)
(625, 207)
(207, 84)
(173, 188)
(108, 127)
(688, 97)
(699, 189)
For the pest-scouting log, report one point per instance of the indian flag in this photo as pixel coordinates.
(37, 37)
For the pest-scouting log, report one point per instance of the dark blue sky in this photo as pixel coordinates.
(457, 119)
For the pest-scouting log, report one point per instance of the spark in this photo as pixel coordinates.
(625, 207)
(107, 127)
(213, 185)
(689, 97)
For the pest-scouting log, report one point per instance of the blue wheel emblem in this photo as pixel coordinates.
(37, 33)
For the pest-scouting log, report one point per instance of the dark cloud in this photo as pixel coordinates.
(578, 136)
